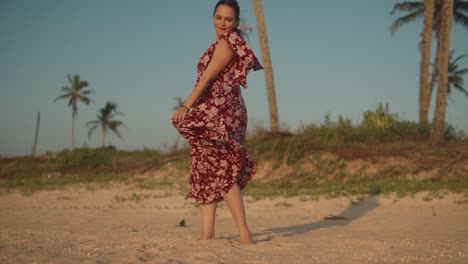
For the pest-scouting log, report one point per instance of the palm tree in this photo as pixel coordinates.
(416, 10)
(425, 61)
(438, 123)
(455, 78)
(106, 122)
(75, 93)
(178, 103)
(459, 17)
(263, 38)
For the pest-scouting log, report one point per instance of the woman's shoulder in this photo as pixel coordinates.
(232, 37)
(231, 33)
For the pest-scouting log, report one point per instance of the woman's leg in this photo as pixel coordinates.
(208, 213)
(233, 200)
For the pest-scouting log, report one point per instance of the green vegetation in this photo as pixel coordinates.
(336, 188)
(380, 134)
(382, 155)
(90, 167)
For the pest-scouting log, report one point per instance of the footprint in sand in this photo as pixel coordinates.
(147, 252)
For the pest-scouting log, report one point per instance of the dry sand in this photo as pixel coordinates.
(80, 226)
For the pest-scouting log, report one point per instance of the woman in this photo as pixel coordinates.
(213, 119)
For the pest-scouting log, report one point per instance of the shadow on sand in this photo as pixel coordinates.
(351, 213)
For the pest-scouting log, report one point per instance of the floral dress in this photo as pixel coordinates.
(216, 125)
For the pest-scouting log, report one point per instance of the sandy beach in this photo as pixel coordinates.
(125, 225)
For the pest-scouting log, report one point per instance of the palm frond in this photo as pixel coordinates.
(179, 102)
(453, 79)
(63, 96)
(66, 89)
(406, 6)
(84, 99)
(461, 89)
(91, 130)
(76, 80)
(89, 123)
(462, 72)
(461, 6)
(104, 114)
(116, 123)
(86, 92)
(107, 110)
(111, 107)
(405, 19)
(455, 76)
(458, 58)
(113, 125)
(461, 19)
(82, 84)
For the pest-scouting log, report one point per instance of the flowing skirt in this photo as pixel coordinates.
(215, 128)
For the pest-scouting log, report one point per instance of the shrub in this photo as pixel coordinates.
(86, 158)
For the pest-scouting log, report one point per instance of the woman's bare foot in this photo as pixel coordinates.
(206, 237)
(246, 239)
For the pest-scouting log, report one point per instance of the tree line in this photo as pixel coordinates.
(76, 92)
(438, 16)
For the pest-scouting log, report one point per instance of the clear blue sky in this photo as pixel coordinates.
(335, 56)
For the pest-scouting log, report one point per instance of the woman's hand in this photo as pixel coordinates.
(179, 114)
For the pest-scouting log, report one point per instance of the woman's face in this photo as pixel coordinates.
(224, 20)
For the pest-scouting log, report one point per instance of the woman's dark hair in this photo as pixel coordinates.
(235, 6)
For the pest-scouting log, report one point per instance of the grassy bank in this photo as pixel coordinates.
(389, 167)
(380, 156)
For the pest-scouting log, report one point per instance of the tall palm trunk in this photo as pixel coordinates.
(263, 38)
(103, 136)
(438, 125)
(73, 131)
(435, 72)
(424, 97)
(33, 154)
(435, 66)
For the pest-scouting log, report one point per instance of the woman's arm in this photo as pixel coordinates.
(222, 55)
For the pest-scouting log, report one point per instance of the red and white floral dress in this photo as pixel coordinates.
(216, 126)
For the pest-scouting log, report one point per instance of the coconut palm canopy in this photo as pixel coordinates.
(106, 121)
(455, 79)
(415, 10)
(75, 92)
